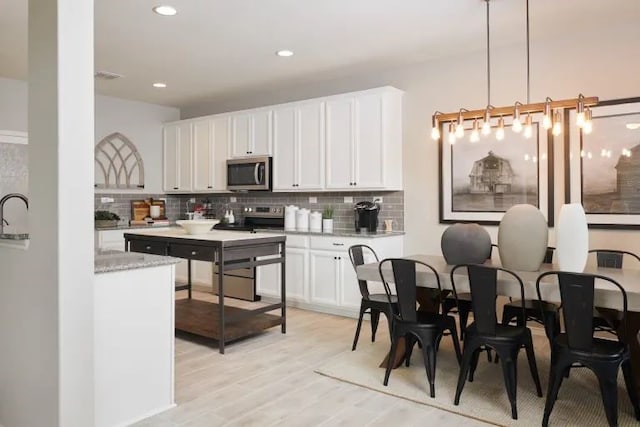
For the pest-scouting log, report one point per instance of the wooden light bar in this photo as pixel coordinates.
(522, 108)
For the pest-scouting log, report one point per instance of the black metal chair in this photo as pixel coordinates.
(416, 326)
(462, 306)
(604, 319)
(485, 331)
(374, 304)
(532, 309)
(577, 345)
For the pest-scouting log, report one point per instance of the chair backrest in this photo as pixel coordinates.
(612, 258)
(483, 284)
(357, 254)
(577, 298)
(548, 256)
(404, 276)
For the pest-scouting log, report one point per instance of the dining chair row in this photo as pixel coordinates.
(573, 346)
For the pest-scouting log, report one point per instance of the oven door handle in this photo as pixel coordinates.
(256, 172)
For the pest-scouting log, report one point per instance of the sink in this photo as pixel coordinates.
(23, 236)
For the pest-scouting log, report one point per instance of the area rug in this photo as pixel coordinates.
(579, 401)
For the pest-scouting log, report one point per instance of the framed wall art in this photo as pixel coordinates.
(480, 181)
(603, 167)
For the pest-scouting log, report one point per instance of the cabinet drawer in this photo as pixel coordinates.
(297, 241)
(337, 243)
(200, 253)
(147, 247)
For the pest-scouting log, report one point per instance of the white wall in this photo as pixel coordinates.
(139, 121)
(600, 63)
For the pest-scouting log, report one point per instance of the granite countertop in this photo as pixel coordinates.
(109, 260)
(132, 227)
(338, 233)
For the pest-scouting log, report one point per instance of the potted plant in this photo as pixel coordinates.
(327, 220)
(105, 219)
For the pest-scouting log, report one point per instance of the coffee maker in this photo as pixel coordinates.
(366, 216)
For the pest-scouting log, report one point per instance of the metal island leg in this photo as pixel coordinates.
(221, 297)
(283, 288)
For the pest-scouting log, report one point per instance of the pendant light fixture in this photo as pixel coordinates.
(551, 110)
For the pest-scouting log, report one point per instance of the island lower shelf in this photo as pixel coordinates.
(202, 318)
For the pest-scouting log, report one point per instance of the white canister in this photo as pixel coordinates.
(154, 211)
(572, 238)
(290, 217)
(302, 220)
(315, 222)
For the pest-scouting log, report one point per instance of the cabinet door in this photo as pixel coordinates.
(369, 142)
(323, 277)
(310, 153)
(297, 275)
(261, 137)
(349, 289)
(268, 279)
(184, 157)
(284, 148)
(203, 155)
(170, 158)
(241, 125)
(221, 135)
(340, 135)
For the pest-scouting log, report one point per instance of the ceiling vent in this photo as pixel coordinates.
(106, 75)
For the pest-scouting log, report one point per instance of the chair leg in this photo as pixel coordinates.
(456, 343)
(375, 319)
(510, 372)
(392, 352)
(631, 387)
(532, 364)
(607, 378)
(474, 364)
(355, 339)
(555, 381)
(410, 343)
(467, 355)
(463, 314)
(429, 354)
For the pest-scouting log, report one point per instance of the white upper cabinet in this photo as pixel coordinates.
(177, 157)
(299, 147)
(251, 133)
(210, 142)
(364, 140)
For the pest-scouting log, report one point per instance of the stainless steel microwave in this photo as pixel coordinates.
(249, 173)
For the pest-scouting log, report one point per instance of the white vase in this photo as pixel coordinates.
(572, 238)
(327, 225)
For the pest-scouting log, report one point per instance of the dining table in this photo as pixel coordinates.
(606, 295)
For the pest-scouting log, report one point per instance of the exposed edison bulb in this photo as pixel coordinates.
(580, 119)
(528, 127)
(452, 134)
(546, 121)
(459, 130)
(557, 124)
(587, 128)
(486, 127)
(435, 133)
(475, 133)
(516, 125)
(500, 130)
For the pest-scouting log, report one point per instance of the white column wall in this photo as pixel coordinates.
(46, 293)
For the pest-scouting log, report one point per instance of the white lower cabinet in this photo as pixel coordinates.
(320, 276)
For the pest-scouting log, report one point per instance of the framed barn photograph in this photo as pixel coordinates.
(603, 170)
(480, 181)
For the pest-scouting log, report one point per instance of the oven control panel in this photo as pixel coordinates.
(263, 211)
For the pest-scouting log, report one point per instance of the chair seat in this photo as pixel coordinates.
(602, 349)
(533, 305)
(503, 332)
(465, 296)
(428, 320)
(382, 298)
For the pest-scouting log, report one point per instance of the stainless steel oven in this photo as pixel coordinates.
(250, 173)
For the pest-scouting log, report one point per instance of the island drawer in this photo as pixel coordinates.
(200, 253)
(147, 247)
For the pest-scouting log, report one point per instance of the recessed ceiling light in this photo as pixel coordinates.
(633, 126)
(284, 53)
(165, 10)
(159, 84)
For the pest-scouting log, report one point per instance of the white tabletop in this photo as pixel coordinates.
(213, 235)
(606, 295)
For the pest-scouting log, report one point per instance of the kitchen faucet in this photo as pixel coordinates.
(3, 201)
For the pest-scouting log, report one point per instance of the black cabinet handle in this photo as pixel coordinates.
(338, 244)
(175, 188)
(209, 186)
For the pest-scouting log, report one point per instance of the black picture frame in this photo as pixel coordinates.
(589, 160)
(544, 142)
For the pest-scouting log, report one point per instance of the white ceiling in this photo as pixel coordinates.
(222, 47)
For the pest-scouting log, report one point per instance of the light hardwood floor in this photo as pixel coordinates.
(269, 380)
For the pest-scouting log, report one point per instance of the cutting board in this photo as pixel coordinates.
(140, 209)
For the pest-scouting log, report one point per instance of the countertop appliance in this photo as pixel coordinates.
(366, 216)
(241, 283)
(249, 174)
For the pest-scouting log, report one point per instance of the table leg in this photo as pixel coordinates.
(283, 290)
(221, 298)
(189, 277)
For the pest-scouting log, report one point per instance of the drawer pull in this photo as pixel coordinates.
(148, 248)
(194, 253)
(338, 244)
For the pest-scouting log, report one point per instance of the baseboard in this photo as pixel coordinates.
(327, 309)
(145, 416)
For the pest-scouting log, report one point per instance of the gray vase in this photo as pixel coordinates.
(523, 236)
(465, 244)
